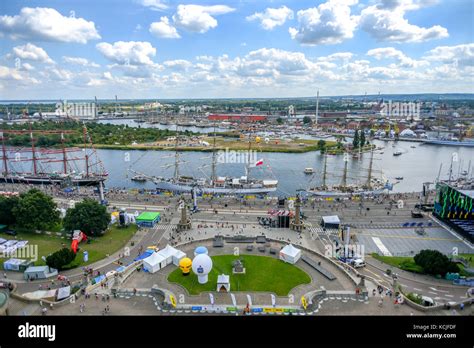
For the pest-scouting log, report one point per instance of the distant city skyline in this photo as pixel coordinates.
(154, 49)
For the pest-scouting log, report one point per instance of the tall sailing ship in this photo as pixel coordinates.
(13, 159)
(372, 185)
(214, 184)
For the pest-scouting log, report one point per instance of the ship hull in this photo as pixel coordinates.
(50, 181)
(170, 186)
(449, 143)
(330, 194)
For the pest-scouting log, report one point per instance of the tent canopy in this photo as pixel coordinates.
(332, 220)
(148, 216)
(290, 250)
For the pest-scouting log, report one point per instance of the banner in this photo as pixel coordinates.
(234, 301)
(249, 300)
(173, 301)
(211, 298)
(273, 300)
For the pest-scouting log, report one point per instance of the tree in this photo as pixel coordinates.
(434, 262)
(362, 138)
(279, 120)
(35, 210)
(355, 142)
(307, 120)
(322, 145)
(88, 216)
(60, 258)
(6, 209)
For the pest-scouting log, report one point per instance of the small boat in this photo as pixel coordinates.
(397, 153)
(309, 170)
(139, 178)
(399, 177)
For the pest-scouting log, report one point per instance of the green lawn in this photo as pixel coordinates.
(405, 263)
(263, 273)
(408, 264)
(114, 239)
(468, 257)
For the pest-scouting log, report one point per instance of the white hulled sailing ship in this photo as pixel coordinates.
(214, 184)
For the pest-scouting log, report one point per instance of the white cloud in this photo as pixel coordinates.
(128, 52)
(272, 17)
(459, 55)
(27, 66)
(164, 29)
(390, 52)
(47, 24)
(32, 52)
(386, 21)
(337, 56)
(155, 5)
(80, 61)
(178, 64)
(197, 18)
(329, 23)
(19, 77)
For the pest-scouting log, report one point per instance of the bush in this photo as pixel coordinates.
(415, 298)
(433, 262)
(60, 258)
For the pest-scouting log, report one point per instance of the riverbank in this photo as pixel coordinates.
(226, 144)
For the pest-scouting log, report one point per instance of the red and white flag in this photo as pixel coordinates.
(258, 163)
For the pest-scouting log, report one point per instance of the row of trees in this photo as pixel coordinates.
(35, 210)
(32, 210)
(359, 139)
(100, 133)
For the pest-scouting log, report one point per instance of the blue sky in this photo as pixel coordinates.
(174, 49)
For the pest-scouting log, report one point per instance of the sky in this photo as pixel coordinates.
(157, 49)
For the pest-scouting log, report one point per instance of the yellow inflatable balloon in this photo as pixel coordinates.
(257, 139)
(185, 265)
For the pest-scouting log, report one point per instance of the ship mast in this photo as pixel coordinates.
(84, 131)
(213, 172)
(369, 178)
(325, 169)
(64, 154)
(33, 153)
(248, 158)
(4, 152)
(176, 155)
(344, 176)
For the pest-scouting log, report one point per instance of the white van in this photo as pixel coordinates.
(358, 263)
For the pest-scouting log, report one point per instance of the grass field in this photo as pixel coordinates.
(263, 273)
(402, 262)
(297, 146)
(114, 239)
(408, 264)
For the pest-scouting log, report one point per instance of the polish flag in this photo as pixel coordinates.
(258, 163)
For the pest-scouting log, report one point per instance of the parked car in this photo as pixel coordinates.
(11, 232)
(358, 263)
(416, 215)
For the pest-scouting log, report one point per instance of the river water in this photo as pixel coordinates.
(415, 165)
(418, 163)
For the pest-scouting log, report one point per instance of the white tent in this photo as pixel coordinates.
(178, 256)
(163, 258)
(154, 262)
(290, 254)
(331, 221)
(223, 283)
